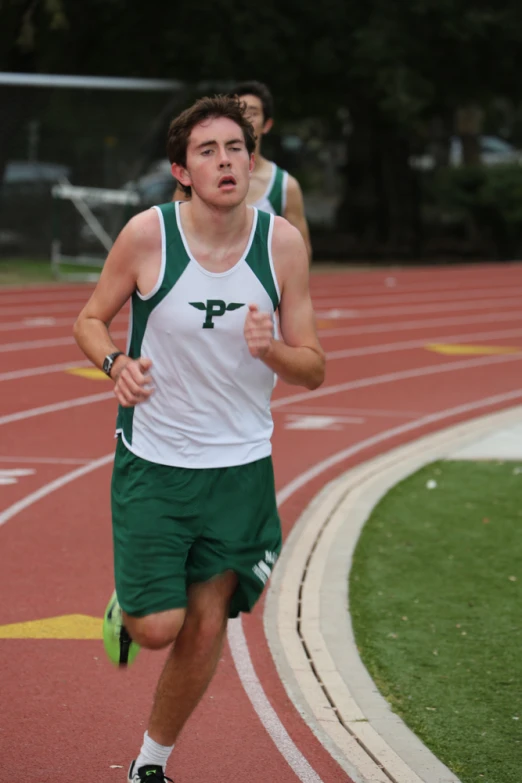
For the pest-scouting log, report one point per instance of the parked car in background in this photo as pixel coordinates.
(25, 175)
(493, 151)
(156, 186)
(25, 205)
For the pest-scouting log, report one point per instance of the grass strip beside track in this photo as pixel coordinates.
(17, 271)
(24, 271)
(436, 599)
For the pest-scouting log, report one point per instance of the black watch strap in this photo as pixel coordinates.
(109, 361)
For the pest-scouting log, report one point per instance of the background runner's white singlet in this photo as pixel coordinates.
(211, 401)
(274, 198)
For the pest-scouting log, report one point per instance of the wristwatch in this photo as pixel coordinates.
(109, 361)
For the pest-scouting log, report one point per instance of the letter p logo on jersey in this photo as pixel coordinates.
(213, 309)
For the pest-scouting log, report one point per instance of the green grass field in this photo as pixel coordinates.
(17, 271)
(436, 600)
(24, 271)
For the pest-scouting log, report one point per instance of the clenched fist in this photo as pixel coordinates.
(132, 382)
(259, 331)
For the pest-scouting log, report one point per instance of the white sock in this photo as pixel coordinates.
(153, 753)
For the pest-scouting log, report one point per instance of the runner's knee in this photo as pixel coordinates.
(206, 624)
(156, 631)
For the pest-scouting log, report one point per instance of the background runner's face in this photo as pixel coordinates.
(254, 113)
(218, 163)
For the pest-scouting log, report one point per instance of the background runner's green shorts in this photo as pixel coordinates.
(176, 526)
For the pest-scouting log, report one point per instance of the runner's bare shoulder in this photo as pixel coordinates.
(288, 247)
(144, 231)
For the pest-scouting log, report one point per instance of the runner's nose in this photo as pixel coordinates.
(224, 160)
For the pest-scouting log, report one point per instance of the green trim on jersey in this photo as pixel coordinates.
(276, 195)
(176, 261)
(258, 258)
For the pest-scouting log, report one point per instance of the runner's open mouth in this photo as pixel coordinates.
(227, 181)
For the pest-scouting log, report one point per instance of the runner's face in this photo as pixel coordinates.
(254, 113)
(218, 163)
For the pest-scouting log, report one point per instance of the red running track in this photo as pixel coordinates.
(68, 714)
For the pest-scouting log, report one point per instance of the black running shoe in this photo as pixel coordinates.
(150, 773)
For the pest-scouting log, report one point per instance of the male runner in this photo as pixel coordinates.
(195, 525)
(271, 188)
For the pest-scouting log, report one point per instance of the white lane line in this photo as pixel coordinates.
(301, 481)
(50, 343)
(50, 368)
(379, 312)
(46, 460)
(420, 343)
(32, 310)
(56, 407)
(375, 380)
(11, 326)
(11, 475)
(319, 288)
(394, 298)
(71, 288)
(514, 315)
(342, 354)
(259, 700)
(307, 409)
(34, 323)
(43, 320)
(357, 309)
(511, 315)
(314, 700)
(300, 421)
(452, 280)
(29, 345)
(241, 655)
(47, 489)
(367, 295)
(236, 636)
(34, 298)
(16, 472)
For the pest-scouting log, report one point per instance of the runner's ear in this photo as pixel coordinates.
(181, 174)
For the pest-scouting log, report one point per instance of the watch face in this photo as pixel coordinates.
(107, 364)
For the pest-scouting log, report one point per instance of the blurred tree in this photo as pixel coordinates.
(394, 67)
(19, 21)
(407, 64)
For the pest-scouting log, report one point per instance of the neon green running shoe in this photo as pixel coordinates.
(119, 646)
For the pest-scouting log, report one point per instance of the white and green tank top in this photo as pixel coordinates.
(211, 404)
(273, 200)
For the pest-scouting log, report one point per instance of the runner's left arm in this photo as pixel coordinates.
(298, 357)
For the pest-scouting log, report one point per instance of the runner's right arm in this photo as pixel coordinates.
(122, 273)
(295, 213)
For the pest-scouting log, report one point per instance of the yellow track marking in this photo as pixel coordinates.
(92, 373)
(68, 626)
(454, 349)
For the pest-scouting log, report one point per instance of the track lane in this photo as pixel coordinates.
(228, 714)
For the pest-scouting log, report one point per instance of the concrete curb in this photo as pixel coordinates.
(309, 628)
